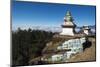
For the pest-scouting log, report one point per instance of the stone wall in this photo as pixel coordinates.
(74, 44)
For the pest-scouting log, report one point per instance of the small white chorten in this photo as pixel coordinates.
(86, 30)
(68, 28)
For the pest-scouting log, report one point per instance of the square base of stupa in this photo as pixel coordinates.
(67, 31)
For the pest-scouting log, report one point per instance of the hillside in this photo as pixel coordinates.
(88, 55)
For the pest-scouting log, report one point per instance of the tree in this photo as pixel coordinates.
(28, 43)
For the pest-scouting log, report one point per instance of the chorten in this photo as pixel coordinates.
(68, 27)
(86, 30)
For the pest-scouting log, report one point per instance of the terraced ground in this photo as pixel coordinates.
(89, 54)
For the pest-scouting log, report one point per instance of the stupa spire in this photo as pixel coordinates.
(68, 13)
(68, 17)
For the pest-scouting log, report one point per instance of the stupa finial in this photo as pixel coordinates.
(68, 17)
(68, 13)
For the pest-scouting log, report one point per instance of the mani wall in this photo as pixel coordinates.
(75, 46)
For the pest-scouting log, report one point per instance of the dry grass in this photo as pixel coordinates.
(88, 55)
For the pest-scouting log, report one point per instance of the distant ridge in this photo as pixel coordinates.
(52, 29)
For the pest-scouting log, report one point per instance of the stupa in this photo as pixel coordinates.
(68, 27)
(86, 30)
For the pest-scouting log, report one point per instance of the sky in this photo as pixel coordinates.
(26, 14)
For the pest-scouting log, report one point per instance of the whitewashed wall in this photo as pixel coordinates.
(57, 57)
(74, 44)
(86, 32)
(67, 31)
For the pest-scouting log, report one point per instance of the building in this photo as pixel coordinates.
(68, 27)
(86, 30)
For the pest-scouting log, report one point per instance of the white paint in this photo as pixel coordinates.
(67, 31)
(68, 23)
(86, 32)
(74, 44)
(57, 57)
